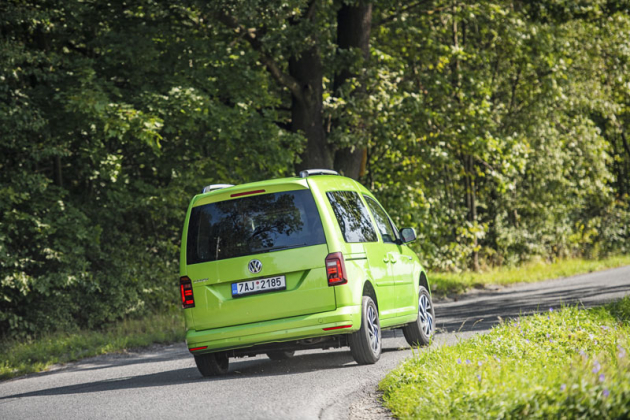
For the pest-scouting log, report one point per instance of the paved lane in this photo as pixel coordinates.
(163, 382)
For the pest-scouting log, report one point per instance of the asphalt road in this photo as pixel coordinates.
(163, 382)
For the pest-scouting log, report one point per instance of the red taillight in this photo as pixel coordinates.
(336, 269)
(186, 290)
(247, 193)
(198, 348)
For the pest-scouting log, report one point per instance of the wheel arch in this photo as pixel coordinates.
(424, 282)
(369, 290)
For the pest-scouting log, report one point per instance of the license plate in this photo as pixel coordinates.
(258, 286)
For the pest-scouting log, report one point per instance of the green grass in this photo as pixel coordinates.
(566, 363)
(21, 357)
(451, 283)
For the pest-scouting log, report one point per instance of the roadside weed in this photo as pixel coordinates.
(22, 357)
(564, 363)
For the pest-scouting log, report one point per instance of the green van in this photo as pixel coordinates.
(299, 263)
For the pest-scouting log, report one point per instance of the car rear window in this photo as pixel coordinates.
(253, 225)
(352, 216)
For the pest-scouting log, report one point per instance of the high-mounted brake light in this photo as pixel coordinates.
(247, 193)
(336, 269)
(186, 291)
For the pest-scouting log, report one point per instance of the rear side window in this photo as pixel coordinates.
(382, 221)
(253, 225)
(352, 216)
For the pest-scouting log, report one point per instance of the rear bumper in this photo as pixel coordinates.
(294, 328)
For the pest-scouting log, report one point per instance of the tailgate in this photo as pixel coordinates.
(307, 289)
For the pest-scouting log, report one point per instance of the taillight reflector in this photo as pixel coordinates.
(198, 348)
(337, 328)
(247, 193)
(186, 292)
(336, 269)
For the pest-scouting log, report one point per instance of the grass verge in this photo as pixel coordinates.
(567, 363)
(450, 283)
(21, 357)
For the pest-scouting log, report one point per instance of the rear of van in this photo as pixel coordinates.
(253, 267)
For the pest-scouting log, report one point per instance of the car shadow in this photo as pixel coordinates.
(240, 369)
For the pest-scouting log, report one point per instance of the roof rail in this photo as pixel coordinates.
(310, 172)
(213, 187)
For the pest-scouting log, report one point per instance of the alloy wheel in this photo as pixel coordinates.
(373, 329)
(424, 312)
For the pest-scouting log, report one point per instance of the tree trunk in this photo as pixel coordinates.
(306, 111)
(618, 166)
(625, 143)
(473, 210)
(467, 159)
(353, 31)
(305, 81)
(622, 176)
(57, 171)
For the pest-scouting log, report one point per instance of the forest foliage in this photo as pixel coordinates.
(499, 130)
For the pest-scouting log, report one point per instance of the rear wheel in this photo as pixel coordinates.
(365, 344)
(280, 355)
(212, 364)
(419, 332)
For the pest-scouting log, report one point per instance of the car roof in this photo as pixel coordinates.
(277, 185)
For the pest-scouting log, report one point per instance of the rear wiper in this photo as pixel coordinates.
(277, 248)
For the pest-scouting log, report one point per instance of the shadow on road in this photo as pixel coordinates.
(482, 312)
(239, 369)
(166, 353)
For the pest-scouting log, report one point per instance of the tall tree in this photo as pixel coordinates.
(296, 44)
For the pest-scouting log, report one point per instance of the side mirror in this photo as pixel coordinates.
(408, 235)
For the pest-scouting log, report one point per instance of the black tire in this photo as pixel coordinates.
(365, 344)
(212, 364)
(419, 332)
(280, 355)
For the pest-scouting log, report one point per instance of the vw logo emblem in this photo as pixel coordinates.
(254, 266)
